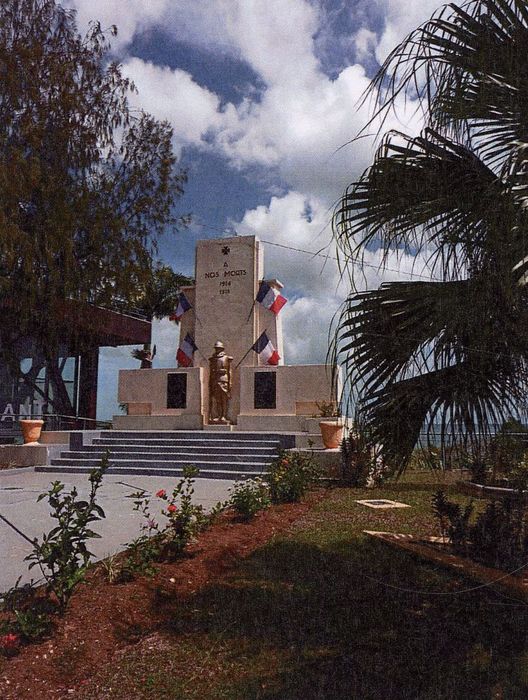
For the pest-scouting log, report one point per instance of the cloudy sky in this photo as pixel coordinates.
(264, 97)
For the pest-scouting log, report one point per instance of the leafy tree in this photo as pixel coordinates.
(452, 351)
(158, 297)
(86, 184)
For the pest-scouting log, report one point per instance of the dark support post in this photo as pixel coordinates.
(88, 383)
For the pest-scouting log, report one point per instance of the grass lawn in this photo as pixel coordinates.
(324, 612)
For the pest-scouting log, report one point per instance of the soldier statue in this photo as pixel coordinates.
(220, 384)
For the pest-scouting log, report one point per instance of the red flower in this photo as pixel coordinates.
(9, 641)
(172, 508)
(161, 493)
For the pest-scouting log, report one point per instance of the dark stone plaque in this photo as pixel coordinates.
(265, 390)
(177, 390)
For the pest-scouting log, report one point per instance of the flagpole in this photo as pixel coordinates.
(251, 310)
(201, 353)
(247, 353)
(242, 360)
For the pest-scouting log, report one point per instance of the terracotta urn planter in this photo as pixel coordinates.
(332, 433)
(31, 429)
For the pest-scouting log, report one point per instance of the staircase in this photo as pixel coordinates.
(228, 455)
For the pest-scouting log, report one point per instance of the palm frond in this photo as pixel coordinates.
(427, 193)
(419, 353)
(454, 352)
(467, 65)
(453, 404)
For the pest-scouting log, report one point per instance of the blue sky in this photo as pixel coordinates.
(263, 96)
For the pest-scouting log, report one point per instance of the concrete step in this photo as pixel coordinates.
(211, 465)
(167, 452)
(189, 435)
(183, 449)
(168, 442)
(229, 474)
(165, 455)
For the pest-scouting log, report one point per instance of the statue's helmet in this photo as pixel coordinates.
(219, 344)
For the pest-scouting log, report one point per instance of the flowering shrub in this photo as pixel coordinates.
(63, 556)
(27, 617)
(290, 476)
(248, 497)
(378, 471)
(161, 541)
(10, 644)
(145, 549)
(185, 519)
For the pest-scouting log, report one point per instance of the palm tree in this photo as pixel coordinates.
(452, 351)
(157, 298)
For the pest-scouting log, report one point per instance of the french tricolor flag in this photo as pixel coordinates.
(183, 306)
(184, 356)
(265, 350)
(270, 297)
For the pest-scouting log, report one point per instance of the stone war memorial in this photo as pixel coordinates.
(231, 372)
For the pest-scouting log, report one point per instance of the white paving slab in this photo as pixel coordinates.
(382, 503)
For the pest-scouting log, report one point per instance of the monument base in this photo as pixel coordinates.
(272, 424)
(272, 399)
(183, 422)
(219, 427)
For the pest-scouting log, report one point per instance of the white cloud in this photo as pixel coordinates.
(165, 336)
(365, 42)
(129, 17)
(301, 132)
(401, 18)
(301, 120)
(173, 95)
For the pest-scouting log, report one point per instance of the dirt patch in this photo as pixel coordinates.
(104, 619)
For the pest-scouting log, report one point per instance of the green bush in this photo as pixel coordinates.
(32, 624)
(248, 497)
(426, 459)
(62, 555)
(506, 449)
(499, 536)
(29, 613)
(290, 476)
(453, 519)
(355, 462)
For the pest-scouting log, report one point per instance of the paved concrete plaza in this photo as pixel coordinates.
(20, 488)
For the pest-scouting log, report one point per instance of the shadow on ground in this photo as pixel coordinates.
(337, 626)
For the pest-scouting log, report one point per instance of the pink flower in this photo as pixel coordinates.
(172, 508)
(161, 493)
